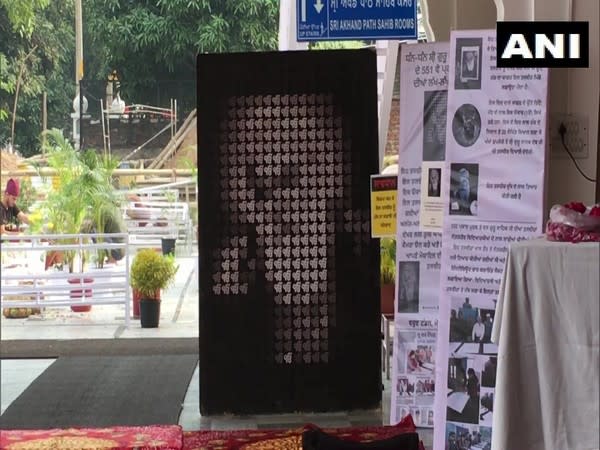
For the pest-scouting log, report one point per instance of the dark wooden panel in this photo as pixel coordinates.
(289, 276)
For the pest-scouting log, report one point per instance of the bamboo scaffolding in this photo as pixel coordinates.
(175, 141)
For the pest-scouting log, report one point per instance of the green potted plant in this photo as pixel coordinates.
(388, 275)
(83, 194)
(151, 272)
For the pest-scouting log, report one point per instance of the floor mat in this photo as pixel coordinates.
(104, 391)
(53, 348)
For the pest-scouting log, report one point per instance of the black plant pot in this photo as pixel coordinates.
(168, 246)
(149, 313)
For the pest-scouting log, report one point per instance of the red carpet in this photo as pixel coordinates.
(160, 437)
(171, 437)
(238, 439)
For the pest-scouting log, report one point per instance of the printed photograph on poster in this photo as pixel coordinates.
(466, 125)
(425, 391)
(434, 176)
(404, 340)
(468, 63)
(432, 205)
(430, 418)
(488, 375)
(468, 437)
(464, 180)
(434, 125)
(423, 417)
(408, 286)
(471, 322)
(486, 407)
(463, 390)
(420, 359)
(425, 386)
(405, 387)
(402, 411)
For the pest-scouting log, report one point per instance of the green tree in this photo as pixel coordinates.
(36, 55)
(18, 17)
(336, 45)
(147, 41)
(22, 13)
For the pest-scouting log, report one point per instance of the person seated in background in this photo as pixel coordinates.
(10, 214)
(112, 223)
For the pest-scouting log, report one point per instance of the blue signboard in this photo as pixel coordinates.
(336, 20)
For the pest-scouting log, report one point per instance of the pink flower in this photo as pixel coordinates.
(595, 212)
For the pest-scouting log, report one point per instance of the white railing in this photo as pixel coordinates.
(26, 284)
(162, 195)
(152, 221)
(173, 187)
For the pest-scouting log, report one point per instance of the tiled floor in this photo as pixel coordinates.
(179, 318)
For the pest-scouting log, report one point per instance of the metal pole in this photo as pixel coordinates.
(80, 116)
(78, 64)
(78, 44)
(44, 118)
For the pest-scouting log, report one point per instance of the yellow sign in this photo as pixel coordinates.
(384, 190)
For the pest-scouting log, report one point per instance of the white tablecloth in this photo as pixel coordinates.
(547, 328)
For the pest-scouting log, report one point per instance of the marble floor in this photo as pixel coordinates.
(17, 374)
(179, 318)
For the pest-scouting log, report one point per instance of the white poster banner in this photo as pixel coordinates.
(494, 191)
(413, 384)
(423, 89)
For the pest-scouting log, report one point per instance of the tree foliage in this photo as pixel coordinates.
(150, 40)
(337, 45)
(149, 43)
(22, 13)
(40, 60)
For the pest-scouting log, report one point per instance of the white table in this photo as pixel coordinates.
(547, 329)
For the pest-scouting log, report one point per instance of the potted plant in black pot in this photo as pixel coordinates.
(168, 243)
(151, 272)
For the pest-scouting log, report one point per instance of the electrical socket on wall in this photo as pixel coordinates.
(576, 135)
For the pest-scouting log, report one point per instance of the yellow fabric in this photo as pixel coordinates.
(286, 443)
(65, 443)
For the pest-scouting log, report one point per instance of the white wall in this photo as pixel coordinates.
(572, 91)
(287, 27)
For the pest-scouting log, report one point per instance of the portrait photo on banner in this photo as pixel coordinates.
(434, 177)
(468, 63)
(466, 125)
(408, 286)
(464, 181)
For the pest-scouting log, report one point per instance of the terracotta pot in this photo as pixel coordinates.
(387, 298)
(78, 293)
(53, 257)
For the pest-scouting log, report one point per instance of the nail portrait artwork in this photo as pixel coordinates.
(287, 236)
